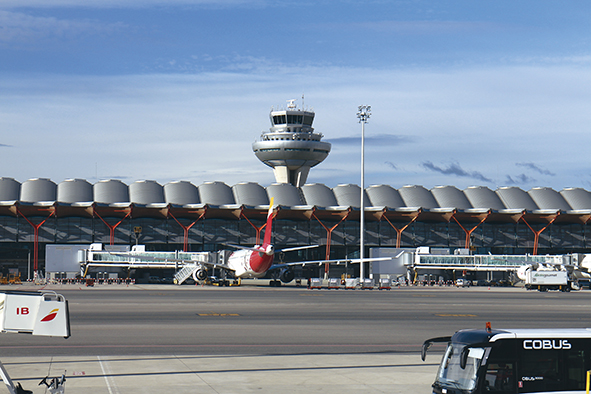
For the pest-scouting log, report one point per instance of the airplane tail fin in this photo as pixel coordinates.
(267, 240)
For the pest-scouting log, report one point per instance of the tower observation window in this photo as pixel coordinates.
(295, 119)
(308, 120)
(279, 119)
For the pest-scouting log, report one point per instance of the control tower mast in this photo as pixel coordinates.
(291, 147)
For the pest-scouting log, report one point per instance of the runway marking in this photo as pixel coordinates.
(218, 314)
(107, 374)
(454, 315)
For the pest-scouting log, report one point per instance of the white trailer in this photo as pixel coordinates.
(544, 280)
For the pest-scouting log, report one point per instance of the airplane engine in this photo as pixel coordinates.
(287, 275)
(200, 274)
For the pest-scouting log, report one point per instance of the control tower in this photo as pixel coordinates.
(291, 146)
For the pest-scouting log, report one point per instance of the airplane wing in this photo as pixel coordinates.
(320, 262)
(259, 249)
(296, 248)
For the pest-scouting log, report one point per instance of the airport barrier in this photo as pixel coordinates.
(84, 281)
(380, 284)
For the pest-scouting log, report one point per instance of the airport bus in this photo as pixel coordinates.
(510, 361)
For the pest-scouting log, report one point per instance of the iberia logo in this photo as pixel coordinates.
(51, 315)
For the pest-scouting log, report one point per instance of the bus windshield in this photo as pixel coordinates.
(450, 373)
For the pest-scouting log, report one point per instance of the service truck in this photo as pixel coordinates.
(544, 280)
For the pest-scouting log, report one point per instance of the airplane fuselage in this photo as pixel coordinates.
(250, 264)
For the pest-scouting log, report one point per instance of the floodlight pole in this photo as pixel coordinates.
(363, 113)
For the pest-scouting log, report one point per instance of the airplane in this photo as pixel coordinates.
(246, 262)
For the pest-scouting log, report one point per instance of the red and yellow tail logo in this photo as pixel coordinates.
(51, 315)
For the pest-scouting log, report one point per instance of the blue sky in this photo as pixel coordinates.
(494, 93)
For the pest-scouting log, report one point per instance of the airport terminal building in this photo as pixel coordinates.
(183, 216)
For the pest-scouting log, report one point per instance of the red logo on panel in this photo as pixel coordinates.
(51, 315)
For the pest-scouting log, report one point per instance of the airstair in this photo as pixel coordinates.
(185, 273)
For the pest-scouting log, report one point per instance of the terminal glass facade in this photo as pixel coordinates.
(17, 236)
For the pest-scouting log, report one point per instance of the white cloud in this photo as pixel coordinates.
(200, 127)
(21, 27)
(121, 3)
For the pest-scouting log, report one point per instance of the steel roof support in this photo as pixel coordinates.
(258, 229)
(36, 236)
(399, 231)
(537, 233)
(469, 232)
(112, 227)
(187, 228)
(329, 236)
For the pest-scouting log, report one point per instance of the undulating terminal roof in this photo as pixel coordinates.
(182, 199)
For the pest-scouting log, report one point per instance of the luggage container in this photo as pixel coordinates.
(351, 283)
(334, 283)
(315, 283)
(367, 284)
(385, 284)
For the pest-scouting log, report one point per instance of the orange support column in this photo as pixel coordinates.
(329, 235)
(112, 227)
(537, 233)
(186, 228)
(399, 231)
(258, 229)
(469, 232)
(35, 236)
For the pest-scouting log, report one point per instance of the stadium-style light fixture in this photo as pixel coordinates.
(363, 113)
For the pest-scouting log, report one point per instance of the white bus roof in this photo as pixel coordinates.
(540, 333)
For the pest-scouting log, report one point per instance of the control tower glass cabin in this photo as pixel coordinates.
(291, 147)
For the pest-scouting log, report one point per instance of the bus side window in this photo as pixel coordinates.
(576, 374)
(499, 378)
(540, 371)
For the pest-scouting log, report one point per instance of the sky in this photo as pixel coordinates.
(492, 93)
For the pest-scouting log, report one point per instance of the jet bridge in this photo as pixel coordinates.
(138, 258)
(480, 262)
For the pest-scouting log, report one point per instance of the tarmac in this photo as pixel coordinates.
(322, 373)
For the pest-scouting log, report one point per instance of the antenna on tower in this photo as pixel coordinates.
(303, 106)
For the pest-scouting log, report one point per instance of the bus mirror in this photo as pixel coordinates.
(464, 357)
(426, 346)
(470, 351)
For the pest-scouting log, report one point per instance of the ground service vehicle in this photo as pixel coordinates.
(510, 361)
(544, 280)
(462, 282)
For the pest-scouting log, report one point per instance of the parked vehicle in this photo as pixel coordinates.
(513, 361)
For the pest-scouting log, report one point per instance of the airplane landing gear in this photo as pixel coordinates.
(275, 283)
